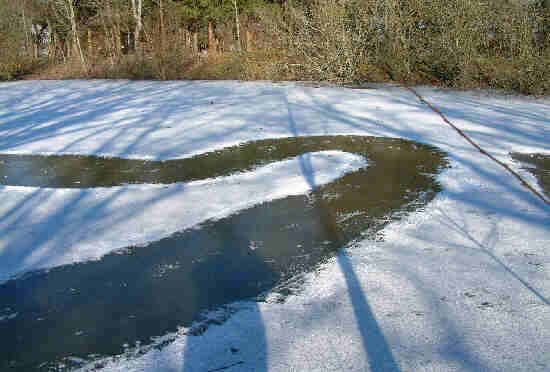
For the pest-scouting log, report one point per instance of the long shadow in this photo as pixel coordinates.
(305, 161)
(360, 303)
(494, 203)
(34, 130)
(193, 359)
(48, 237)
(452, 346)
(279, 239)
(233, 271)
(94, 116)
(531, 137)
(449, 222)
(455, 341)
(374, 343)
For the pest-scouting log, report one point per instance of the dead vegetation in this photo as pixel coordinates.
(460, 44)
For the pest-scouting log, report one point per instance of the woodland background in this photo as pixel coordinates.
(454, 43)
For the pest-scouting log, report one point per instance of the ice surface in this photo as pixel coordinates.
(462, 285)
(63, 226)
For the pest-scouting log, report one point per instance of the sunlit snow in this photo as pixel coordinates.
(463, 285)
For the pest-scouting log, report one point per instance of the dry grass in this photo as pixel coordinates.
(459, 44)
(14, 67)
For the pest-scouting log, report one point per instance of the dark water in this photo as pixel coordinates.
(94, 308)
(539, 165)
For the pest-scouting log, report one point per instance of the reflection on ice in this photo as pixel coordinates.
(129, 296)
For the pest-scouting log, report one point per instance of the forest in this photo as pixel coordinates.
(500, 44)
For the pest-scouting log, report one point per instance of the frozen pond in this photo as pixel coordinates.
(95, 308)
(539, 165)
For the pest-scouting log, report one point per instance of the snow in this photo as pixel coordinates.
(50, 227)
(462, 284)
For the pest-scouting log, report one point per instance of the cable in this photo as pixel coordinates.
(479, 148)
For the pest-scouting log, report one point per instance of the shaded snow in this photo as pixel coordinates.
(463, 285)
(44, 227)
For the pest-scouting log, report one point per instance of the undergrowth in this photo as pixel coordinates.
(460, 44)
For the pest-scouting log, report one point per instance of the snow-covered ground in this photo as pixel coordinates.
(462, 285)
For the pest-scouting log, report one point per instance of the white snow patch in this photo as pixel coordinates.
(462, 285)
(44, 227)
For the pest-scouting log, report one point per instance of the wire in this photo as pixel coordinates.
(467, 138)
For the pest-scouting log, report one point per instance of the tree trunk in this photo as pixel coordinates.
(188, 44)
(115, 32)
(76, 39)
(27, 39)
(195, 42)
(249, 40)
(65, 51)
(90, 46)
(117, 42)
(51, 43)
(161, 26)
(211, 42)
(237, 24)
(108, 41)
(136, 10)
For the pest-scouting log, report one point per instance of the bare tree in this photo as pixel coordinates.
(25, 27)
(136, 11)
(69, 8)
(237, 24)
(66, 14)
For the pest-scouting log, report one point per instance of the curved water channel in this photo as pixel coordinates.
(92, 309)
